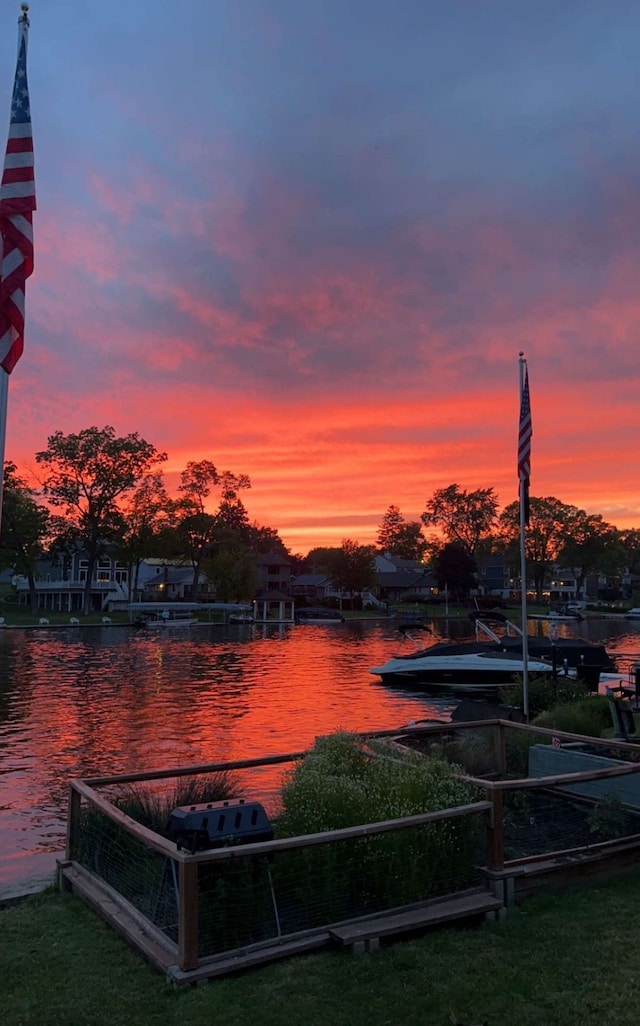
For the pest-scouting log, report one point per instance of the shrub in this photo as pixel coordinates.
(341, 783)
(609, 819)
(544, 692)
(588, 716)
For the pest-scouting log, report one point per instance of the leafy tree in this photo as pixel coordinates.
(25, 526)
(456, 568)
(233, 516)
(587, 541)
(352, 567)
(233, 571)
(392, 524)
(463, 516)
(401, 537)
(148, 511)
(544, 537)
(319, 559)
(88, 474)
(197, 527)
(630, 546)
(265, 540)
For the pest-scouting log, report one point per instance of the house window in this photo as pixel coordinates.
(103, 571)
(273, 571)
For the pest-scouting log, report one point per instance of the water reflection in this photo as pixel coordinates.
(106, 700)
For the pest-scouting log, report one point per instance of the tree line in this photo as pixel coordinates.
(471, 528)
(100, 489)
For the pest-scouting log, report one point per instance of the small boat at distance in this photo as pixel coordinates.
(241, 617)
(633, 614)
(318, 614)
(167, 619)
(564, 613)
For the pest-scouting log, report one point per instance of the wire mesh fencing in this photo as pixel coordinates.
(256, 893)
(254, 898)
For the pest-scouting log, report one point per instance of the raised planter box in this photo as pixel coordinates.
(547, 761)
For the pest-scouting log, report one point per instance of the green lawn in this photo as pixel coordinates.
(563, 961)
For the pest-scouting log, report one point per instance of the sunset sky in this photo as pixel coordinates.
(307, 240)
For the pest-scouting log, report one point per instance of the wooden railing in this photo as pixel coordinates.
(491, 807)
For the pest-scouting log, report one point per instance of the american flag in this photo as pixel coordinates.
(17, 203)
(524, 443)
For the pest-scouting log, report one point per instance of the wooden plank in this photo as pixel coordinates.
(345, 834)
(499, 748)
(627, 746)
(73, 819)
(535, 783)
(186, 771)
(495, 833)
(188, 916)
(208, 969)
(144, 834)
(123, 916)
(429, 915)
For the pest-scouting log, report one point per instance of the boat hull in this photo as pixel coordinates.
(473, 672)
(166, 625)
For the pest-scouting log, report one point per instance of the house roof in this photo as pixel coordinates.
(172, 575)
(272, 559)
(407, 579)
(310, 580)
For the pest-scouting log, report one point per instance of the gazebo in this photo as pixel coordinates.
(273, 607)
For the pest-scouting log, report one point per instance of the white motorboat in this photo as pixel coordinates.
(633, 614)
(564, 613)
(494, 661)
(463, 671)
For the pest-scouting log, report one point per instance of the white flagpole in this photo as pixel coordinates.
(523, 574)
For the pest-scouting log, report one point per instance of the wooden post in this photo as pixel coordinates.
(495, 831)
(188, 916)
(499, 748)
(73, 820)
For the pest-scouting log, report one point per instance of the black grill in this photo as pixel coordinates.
(216, 824)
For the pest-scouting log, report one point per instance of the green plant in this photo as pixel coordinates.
(608, 819)
(544, 692)
(153, 809)
(474, 751)
(517, 745)
(587, 716)
(341, 783)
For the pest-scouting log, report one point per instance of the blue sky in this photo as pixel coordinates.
(308, 242)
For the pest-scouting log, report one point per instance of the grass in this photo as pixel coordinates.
(570, 960)
(16, 615)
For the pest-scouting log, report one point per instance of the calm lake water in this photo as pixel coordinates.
(82, 701)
